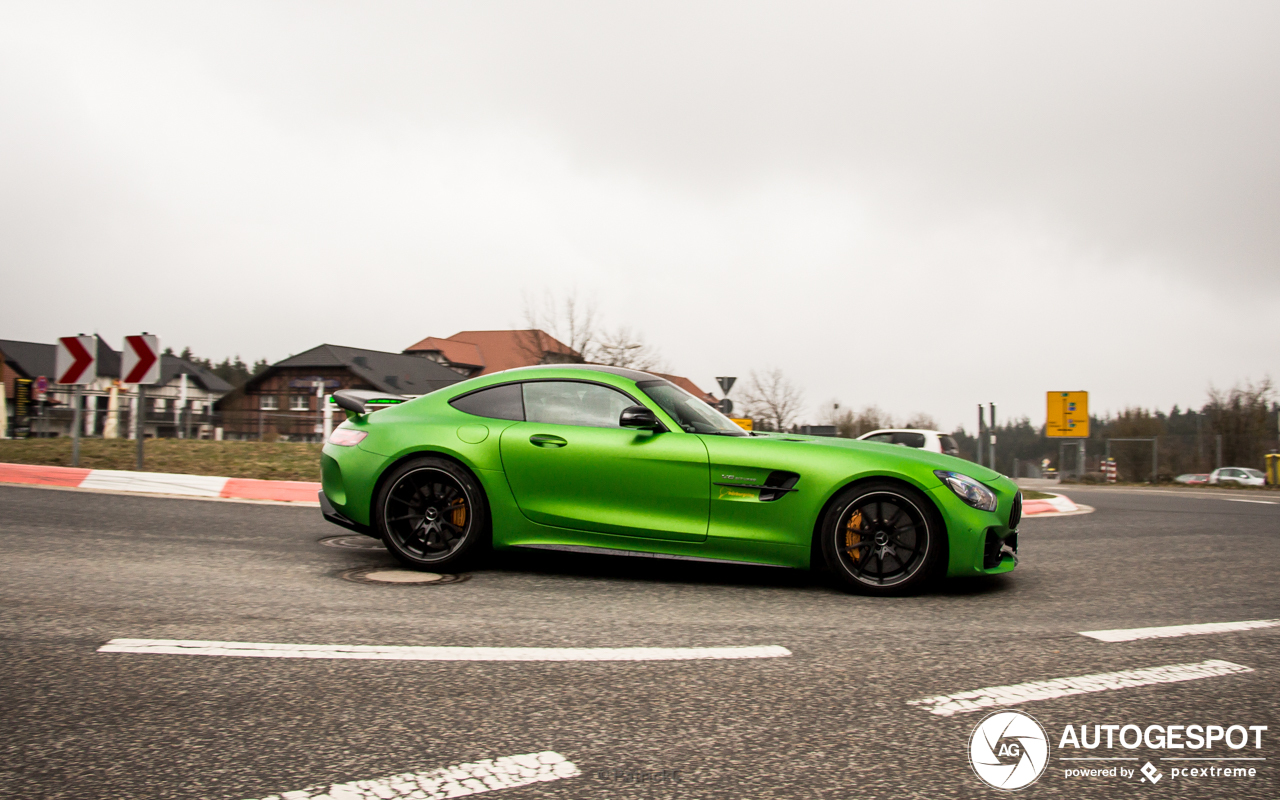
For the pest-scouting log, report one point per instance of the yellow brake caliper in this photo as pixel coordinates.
(459, 512)
(852, 536)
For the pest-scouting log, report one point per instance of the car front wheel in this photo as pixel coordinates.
(432, 514)
(883, 538)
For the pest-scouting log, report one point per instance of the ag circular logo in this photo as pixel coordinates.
(1009, 750)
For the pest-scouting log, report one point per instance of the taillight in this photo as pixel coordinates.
(346, 437)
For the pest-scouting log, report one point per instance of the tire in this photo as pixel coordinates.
(432, 514)
(883, 538)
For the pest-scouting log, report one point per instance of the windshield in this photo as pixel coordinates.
(690, 413)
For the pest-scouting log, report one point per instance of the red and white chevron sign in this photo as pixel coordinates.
(141, 359)
(76, 360)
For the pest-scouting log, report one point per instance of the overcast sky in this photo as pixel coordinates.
(918, 205)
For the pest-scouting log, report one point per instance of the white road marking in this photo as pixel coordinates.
(978, 699)
(1133, 634)
(459, 780)
(154, 482)
(404, 653)
(1180, 492)
(1242, 500)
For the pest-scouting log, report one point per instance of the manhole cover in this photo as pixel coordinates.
(385, 576)
(356, 542)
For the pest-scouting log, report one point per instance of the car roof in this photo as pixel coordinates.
(617, 377)
(903, 430)
(633, 374)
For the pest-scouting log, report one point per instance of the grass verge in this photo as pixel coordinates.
(274, 461)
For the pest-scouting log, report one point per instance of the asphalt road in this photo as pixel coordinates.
(830, 721)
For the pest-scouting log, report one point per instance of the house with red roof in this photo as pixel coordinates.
(472, 353)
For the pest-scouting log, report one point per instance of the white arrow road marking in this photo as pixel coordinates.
(1133, 634)
(402, 653)
(978, 699)
(459, 780)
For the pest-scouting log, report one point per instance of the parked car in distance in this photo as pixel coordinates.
(1193, 479)
(934, 441)
(1240, 476)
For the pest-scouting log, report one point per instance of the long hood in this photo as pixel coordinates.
(897, 451)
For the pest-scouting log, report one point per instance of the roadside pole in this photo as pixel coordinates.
(4, 414)
(76, 363)
(138, 422)
(982, 432)
(75, 425)
(140, 365)
(992, 449)
(326, 413)
(1155, 460)
(180, 410)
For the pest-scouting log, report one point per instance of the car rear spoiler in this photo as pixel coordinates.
(357, 402)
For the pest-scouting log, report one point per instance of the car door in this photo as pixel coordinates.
(571, 465)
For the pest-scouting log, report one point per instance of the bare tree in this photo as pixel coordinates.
(851, 424)
(1242, 417)
(921, 420)
(772, 400)
(623, 348)
(570, 321)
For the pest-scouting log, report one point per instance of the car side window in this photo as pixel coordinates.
(909, 439)
(886, 438)
(496, 402)
(574, 403)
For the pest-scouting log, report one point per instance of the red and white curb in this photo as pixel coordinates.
(1055, 505)
(113, 480)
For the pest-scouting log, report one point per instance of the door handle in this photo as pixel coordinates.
(547, 440)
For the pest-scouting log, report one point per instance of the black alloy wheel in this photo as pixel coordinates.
(431, 514)
(882, 539)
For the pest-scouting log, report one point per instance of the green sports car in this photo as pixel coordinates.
(599, 459)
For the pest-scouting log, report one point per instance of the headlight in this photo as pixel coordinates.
(969, 490)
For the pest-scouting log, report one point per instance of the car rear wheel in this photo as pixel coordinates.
(432, 514)
(883, 538)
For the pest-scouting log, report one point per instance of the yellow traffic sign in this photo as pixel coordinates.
(745, 424)
(1068, 415)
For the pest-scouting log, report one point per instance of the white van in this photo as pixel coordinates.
(937, 441)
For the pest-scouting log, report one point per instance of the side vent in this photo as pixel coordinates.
(778, 484)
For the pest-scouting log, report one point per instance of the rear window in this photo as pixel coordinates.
(949, 445)
(496, 402)
(909, 439)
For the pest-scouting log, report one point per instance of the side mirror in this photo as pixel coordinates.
(641, 418)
